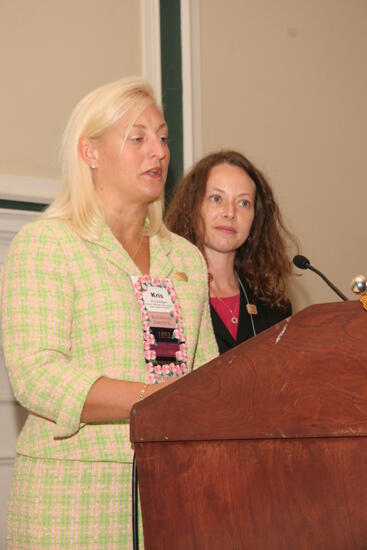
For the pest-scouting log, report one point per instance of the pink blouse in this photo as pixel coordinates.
(227, 308)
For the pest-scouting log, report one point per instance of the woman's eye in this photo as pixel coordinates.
(164, 139)
(136, 139)
(244, 203)
(215, 198)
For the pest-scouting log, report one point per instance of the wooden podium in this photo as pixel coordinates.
(266, 446)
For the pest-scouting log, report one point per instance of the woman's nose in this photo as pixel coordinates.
(158, 148)
(229, 211)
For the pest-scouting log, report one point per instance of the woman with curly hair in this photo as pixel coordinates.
(225, 206)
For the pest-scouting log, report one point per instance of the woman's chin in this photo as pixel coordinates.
(222, 249)
(153, 192)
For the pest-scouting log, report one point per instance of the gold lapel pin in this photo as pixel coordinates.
(181, 276)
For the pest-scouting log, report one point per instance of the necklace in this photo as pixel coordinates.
(234, 318)
(138, 247)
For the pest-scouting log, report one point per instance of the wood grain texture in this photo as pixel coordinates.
(292, 494)
(264, 448)
(305, 377)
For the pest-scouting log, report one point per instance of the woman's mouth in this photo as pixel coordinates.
(155, 173)
(226, 229)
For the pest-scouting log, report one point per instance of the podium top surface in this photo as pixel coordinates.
(304, 377)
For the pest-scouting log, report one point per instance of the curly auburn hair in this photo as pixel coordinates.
(262, 261)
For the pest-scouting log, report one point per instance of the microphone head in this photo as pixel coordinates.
(301, 262)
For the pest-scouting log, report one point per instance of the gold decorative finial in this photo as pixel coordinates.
(359, 286)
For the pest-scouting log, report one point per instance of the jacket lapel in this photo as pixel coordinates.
(113, 252)
(160, 257)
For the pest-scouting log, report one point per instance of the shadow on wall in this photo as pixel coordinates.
(20, 416)
(298, 293)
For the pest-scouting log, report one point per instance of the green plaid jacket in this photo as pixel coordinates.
(70, 316)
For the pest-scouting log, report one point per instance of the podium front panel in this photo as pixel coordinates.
(278, 494)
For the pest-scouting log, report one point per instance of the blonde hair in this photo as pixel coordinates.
(77, 202)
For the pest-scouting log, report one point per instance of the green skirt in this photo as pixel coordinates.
(59, 505)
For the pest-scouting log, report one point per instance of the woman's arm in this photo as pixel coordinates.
(37, 296)
(110, 399)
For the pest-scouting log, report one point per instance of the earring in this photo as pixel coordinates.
(92, 166)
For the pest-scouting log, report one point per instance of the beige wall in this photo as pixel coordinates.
(286, 83)
(51, 54)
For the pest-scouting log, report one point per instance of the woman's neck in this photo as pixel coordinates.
(127, 224)
(222, 279)
(125, 218)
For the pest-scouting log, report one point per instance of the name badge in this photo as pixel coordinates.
(164, 340)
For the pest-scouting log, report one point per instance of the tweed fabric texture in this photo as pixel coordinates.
(59, 504)
(69, 317)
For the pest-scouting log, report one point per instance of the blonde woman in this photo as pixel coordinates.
(83, 339)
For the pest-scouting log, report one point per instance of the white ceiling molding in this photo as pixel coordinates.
(151, 45)
(28, 189)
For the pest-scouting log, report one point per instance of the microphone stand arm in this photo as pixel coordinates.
(339, 293)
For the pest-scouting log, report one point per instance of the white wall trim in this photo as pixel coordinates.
(28, 189)
(6, 397)
(11, 221)
(151, 45)
(190, 52)
(197, 132)
(187, 109)
(6, 459)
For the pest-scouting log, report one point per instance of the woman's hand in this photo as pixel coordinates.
(111, 400)
(153, 388)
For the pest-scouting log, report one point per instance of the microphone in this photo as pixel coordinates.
(304, 263)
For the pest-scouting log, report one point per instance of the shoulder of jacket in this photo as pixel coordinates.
(45, 229)
(38, 236)
(182, 244)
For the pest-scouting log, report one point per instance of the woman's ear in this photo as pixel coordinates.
(88, 152)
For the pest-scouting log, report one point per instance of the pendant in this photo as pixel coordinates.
(251, 309)
(234, 320)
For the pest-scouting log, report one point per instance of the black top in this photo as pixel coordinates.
(265, 318)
